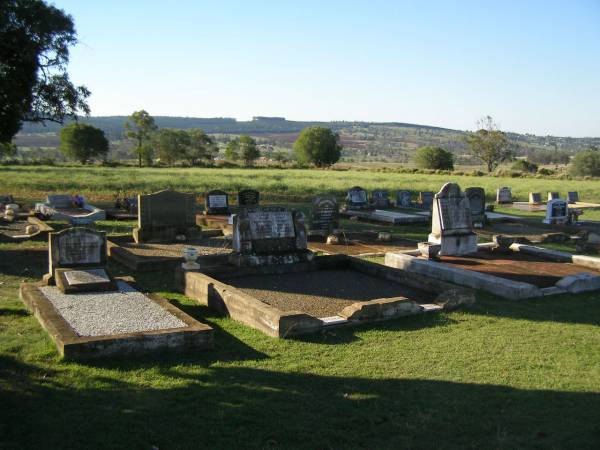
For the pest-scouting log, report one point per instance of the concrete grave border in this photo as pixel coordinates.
(194, 336)
(228, 300)
(43, 230)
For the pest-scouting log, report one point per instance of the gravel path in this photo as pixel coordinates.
(108, 313)
(322, 293)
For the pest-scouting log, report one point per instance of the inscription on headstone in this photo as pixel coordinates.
(271, 224)
(217, 202)
(557, 212)
(324, 215)
(248, 197)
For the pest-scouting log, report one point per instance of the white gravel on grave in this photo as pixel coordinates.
(106, 313)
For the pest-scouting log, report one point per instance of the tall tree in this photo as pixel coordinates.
(232, 150)
(248, 149)
(140, 126)
(172, 145)
(83, 142)
(489, 144)
(319, 146)
(34, 52)
(201, 146)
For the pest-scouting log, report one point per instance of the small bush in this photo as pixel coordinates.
(545, 172)
(522, 165)
(434, 158)
(586, 164)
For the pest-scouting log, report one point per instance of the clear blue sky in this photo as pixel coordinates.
(532, 65)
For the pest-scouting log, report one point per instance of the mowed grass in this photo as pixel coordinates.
(501, 374)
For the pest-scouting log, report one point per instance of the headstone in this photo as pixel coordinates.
(217, 202)
(557, 212)
(268, 236)
(426, 200)
(476, 196)
(503, 195)
(452, 226)
(403, 199)
(59, 201)
(77, 261)
(357, 198)
(380, 198)
(553, 196)
(165, 215)
(324, 216)
(572, 197)
(535, 198)
(248, 197)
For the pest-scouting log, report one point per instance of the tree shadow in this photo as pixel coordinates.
(13, 312)
(30, 262)
(235, 407)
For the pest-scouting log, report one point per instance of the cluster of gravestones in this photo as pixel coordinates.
(557, 209)
(358, 198)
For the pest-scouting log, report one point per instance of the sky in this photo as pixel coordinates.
(534, 66)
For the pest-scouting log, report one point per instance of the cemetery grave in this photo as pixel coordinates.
(89, 314)
(361, 243)
(476, 196)
(125, 208)
(380, 199)
(248, 197)
(357, 199)
(274, 283)
(73, 209)
(18, 225)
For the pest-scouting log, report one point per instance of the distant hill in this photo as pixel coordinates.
(380, 141)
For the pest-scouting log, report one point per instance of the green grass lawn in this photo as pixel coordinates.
(506, 375)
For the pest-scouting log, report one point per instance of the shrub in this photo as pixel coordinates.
(434, 158)
(546, 172)
(522, 165)
(586, 164)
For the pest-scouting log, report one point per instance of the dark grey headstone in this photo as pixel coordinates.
(403, 199)
(535, 198)
(380, 198)
(357, 198)
(60, 201)
(572, 197)
(217, 202)
(553, 196)
(426, 199)
(248, 197)
(503, 195)
(557, 212)
(476, 196)
(324, 215)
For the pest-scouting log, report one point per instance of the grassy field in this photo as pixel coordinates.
(500, 375)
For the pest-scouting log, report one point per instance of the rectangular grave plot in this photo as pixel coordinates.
(302, 298)
(188, 335)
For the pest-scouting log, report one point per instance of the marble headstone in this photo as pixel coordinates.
(380, 198)
(324, 216)
(572, 197)
(357, 198)
(216, 202)
(166, 215)
(476, 196)
(557, 212)
(403, 199)
(248, 198)
(452, 226)
(503, 195)
(535, 198)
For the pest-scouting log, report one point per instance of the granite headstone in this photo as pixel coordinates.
(248, 198)
(216, 202)
(503, 195)
(380, 198)
(535, 198)
(553, 196)
(476, 196)
(557, 212)
(426, 200)
(357, 198)
(403, 199)
(572, 197)
(324, 216)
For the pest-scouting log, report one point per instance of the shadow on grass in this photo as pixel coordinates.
(30, 262)
(13, 312)
(233, 407)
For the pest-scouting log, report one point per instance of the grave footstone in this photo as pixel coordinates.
(572, 197)
(248, 198)
(476, 196)
(557, 212)
(403, 199)
(77, 261)
(357, 198)
(452, 226)
(503, 195)
(216, 202)
(166, 216)
(269, 236)
(553, 196)
(380, 198)
(426, 200)
(535, 198)
(324, 216)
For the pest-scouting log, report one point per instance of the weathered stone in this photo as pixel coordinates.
(579, 282)
(248, 198)
(380, 198)
(380, 309)
(357, 198)
(426, 200)
(428, 250)
(324, 216)
(557, 212)
(476, 196)
(403, 199)
(216, 202)
(503, 195)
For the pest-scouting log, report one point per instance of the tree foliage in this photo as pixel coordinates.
(248, 149)
(319, 146)
(490, 144)
(522, 165)
(83, 142)
(192, 146)
(140, 126)
(232, 150)
(34, 52)
(201, 147)
(586, 163)
(434, 158)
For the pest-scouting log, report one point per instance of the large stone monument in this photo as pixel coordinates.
(324, 216)
(166, 216)
(357, 198)
(403, 199)
(476, 196)
(380, 198)
(452, 227)
(557, 212)
(268, 236)
(503, 195)
(77, 261)
(248, 198)
(216, 202)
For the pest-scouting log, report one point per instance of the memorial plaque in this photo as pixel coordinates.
(535, 198)
(557, 212)
(403, 199)
(324, 215)
(380, 198)
(77, 277)
(572, 197)
(426, 199)
(248, 197)
(503, 195)
(553, 196)
(476, 196)
(271, 224)
(217, 202)
(357, 198)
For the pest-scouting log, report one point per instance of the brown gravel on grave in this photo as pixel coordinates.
(205, 246)
(517, 267)
(322, 293)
